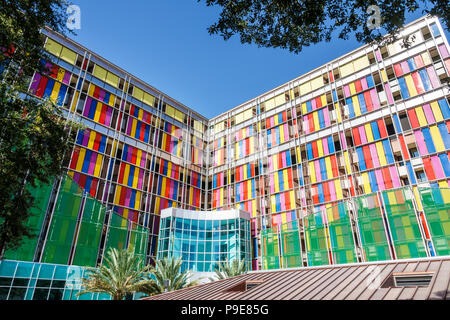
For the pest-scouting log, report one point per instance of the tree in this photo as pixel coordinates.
(230, 269)
(121, 274)
(294, 24)
(34, 137)
(168, 276)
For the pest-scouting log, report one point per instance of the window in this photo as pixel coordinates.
(413, 152)
(421, 176)
(404, 122)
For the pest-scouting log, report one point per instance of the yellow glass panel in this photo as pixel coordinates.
(112, 79)
(280, 99)
(312, 171)
(304, 109)
(410, 84)
(91, 90)
(320, 147)
(138, 93)
(179, 115)
(61, 73)
(55, 92)
(149, 99)
(369, 133)
(53, 47)
(421, 116)
(366, 183)
(316, 121)
(269, 104)
(328, 166)
(352, 88)
(426, 58)
(383, 75)
(437, 139)
(238, 118)
(68, 55)
(347, 69)
(361, 63)
(381, 155)
(356, 107)
(316, 83)
(99, 72)
(170, 111)
(323, 99)
(436, 111)
(219, 127)
(337, 184)
(416, 195)
(305, 88)
(338, 112)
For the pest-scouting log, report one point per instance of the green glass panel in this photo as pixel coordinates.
(26, 251)
(290, 245)
(90, 233)
(341, 235)
(371, 227)
(271, 259)
(316, 240)
(64, 222)
(403, 224)
(436, 206)
(117, 233)
(138, 240)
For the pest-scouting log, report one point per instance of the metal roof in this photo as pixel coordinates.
(364, 281)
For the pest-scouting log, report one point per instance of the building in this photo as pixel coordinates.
(203, 240)
(365, 126)
(411, 279)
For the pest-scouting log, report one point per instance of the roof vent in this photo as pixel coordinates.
(412, 279)
(409, 279)
(251, 284)
(245, 285)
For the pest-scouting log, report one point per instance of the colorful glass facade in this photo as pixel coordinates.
(374, 120)
(380, 226)
(362, 125)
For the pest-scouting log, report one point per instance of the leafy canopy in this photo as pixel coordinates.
(34, 137)
(295, 24)
(168, 276)
(122, 273)
(230, 269)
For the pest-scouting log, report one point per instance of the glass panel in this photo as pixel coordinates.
(403, 224)
(341, 235)
(64, 221)
(436, 206)
(26, 251)
(290, 245)
(271, 259)
(88, 241)
(138, 240)
(316, 240)
(17, 294)
(371, 227)
(117, 234)
(7, 268)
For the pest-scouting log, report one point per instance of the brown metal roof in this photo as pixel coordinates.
(338, 282)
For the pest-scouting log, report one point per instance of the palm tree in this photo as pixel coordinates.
(168, 277)
(227, 270)
(122, 274)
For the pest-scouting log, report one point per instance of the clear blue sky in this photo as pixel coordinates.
(166, 44)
